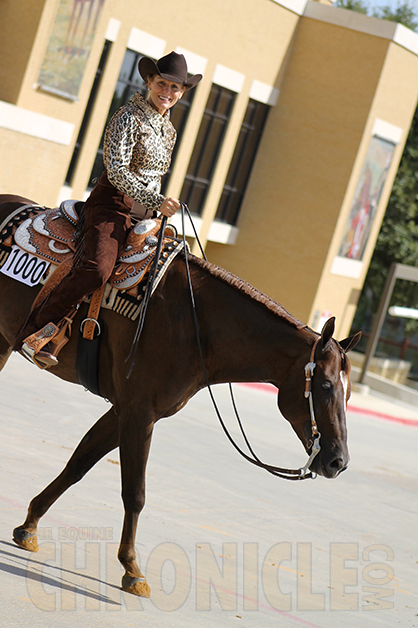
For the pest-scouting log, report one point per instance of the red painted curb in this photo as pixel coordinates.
(377, 415)
(381, 415)
(260, 386)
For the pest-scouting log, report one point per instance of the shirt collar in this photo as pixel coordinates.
(157, 121)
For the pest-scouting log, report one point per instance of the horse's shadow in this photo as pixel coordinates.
(59, 583)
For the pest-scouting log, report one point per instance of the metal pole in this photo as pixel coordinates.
(379, 320)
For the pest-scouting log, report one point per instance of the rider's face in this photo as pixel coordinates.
(163, 94)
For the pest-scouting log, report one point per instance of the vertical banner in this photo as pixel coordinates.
(69, 46)
(366, 198)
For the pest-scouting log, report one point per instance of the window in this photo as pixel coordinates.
(87, 113)
(242, 162)
(130, 82)
(207, 147)
(179, 114)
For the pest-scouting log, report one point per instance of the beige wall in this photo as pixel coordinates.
(38, 167)
(263, 29)
(304, 164)
(16, 41)
(337, 73)
(394, 102)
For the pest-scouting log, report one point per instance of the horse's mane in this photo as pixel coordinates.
(246, 288)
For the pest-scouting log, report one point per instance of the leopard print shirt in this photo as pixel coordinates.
(137, 151)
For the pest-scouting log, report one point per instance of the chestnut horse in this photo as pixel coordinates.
(245, 337)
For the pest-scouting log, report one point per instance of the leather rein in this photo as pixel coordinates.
(288, 474)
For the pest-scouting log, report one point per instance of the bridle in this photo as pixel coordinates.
(309, 373)
(288, 474)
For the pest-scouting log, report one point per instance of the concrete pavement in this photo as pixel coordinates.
(219, 540)
(383, 407)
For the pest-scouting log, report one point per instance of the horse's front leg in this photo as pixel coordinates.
(135, 441)
(99, 440)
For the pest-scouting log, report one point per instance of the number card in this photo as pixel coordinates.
(24, 267)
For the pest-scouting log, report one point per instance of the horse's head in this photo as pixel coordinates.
(330, 388)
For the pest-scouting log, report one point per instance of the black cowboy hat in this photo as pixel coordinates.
(172, 67)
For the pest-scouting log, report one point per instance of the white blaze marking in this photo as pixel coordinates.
(344, 381)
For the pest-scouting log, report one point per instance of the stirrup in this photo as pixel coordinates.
(57, 335)
(41, 359)
(32, 346)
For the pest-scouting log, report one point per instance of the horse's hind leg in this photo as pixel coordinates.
(99, 440)
(5, 351)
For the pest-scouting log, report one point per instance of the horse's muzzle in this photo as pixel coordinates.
(331, 468)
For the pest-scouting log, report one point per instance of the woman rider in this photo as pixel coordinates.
(138, 145)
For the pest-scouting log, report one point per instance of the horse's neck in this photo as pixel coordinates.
(249, 338)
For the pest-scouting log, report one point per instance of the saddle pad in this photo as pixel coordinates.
(129, 302)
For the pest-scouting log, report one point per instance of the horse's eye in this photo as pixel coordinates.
(327, 385)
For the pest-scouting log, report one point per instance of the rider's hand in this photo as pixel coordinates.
(169, 206)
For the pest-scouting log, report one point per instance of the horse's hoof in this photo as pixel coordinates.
(25, 539)
(136, 586)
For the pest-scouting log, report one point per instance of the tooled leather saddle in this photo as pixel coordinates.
(38, 245)
(50, 235)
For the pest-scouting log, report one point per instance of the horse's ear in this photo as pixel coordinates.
(349, 343)
(327, 331)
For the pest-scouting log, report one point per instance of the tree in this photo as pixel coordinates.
(403, 14)
(353, 5)
(398, 238)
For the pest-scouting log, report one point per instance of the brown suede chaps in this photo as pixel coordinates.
(106, 221)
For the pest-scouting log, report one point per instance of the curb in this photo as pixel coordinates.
(355, 409)
(382, 415)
